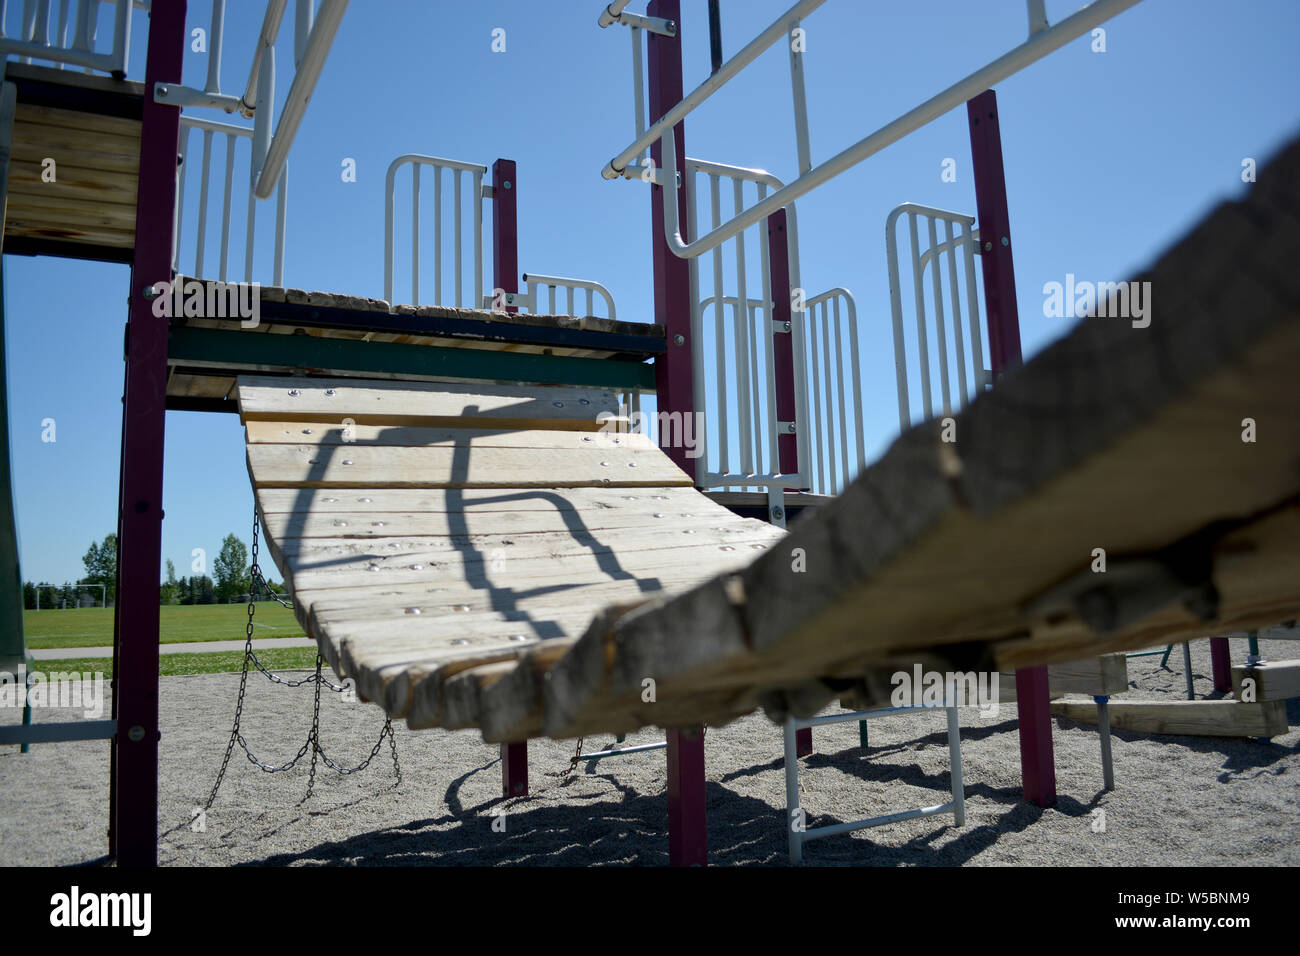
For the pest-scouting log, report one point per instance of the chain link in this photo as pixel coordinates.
(573, 763)
(312, 742)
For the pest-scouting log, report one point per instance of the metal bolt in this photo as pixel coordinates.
(1006, 241)
(787, 326)
(507, 184)
(672, 26)
(329, 392)
(778, 512)
(161, 90)
(988, 246)
(790, 428)
(136, 734)
(679, 339)
(294, 392)
(150, 292)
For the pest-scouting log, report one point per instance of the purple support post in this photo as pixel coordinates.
(787, 445)
(505, 276)
(1037, 767)
(133, 836)
(687, 829)
(1221, 663)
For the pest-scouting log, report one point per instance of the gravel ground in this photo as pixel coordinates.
(1181, 801)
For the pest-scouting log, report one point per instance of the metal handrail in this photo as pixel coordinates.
(1035, 48)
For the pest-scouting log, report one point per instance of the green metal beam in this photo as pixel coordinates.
(246, 352)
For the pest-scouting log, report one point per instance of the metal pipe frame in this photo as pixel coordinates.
(456, 167)
(536, 282)
(308, 72)
(673, 116)
(797, 837)
(133, 808)
(1038, 46)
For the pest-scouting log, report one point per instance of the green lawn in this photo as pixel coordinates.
(174, 665)
(93, 626)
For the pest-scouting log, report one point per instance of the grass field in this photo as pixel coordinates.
(176, 665)
(93, 626)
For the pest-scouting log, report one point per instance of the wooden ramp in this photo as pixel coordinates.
(487, 557)
(432, 535)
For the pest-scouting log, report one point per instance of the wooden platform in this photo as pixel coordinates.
(337, 335)
(89, 126)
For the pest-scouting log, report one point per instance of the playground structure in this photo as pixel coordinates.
(398, 448)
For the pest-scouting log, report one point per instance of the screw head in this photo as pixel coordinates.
(778, 512)
(135, 734)
(679, 339)
(1006, 241)
(988, 246)
(790, 428)
(507, 184)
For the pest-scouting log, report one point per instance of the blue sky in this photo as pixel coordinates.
(1109, 157)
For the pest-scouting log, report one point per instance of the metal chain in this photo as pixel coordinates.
(313, 738)
(573, 763)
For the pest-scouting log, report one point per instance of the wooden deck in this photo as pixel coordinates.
(203, 377)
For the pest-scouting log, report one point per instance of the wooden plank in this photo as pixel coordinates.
(1191, 718)
(424, 405)
(40, 229)
(1273, 680)
(74, 182)
(44, 203)
(280, 501)
(1095, 676)
(92, 123)
(336, 434)
(72, 149)
(352, 466)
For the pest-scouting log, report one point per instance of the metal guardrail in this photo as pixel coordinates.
(477, 194)
(535, 282)
(949, 358)
(232, 135)
(70, 39)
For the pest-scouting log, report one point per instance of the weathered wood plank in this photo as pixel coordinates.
(1191, 718)
(352, 466)
(337, 434)
(1273, 680)
(425, 405)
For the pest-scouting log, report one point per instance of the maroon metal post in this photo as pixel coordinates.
(1221, 663)
(505, 276)
(787, 445)
(134, 822)
(1037, 766)
(687, 828)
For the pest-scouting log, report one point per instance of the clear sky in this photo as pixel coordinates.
(1110, 157)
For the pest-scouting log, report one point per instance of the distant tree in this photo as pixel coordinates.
(231, 569)
(101, 564)
(29, 595)
(167, 594)
(202, 590)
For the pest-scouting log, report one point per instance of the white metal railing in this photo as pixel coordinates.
(231, 134)
(836, 434)
(1042, 40)
(950, 357)
(457, 170)
(70, 38)
(744, 367)
(534, 283)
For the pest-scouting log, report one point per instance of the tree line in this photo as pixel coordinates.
(231, 580)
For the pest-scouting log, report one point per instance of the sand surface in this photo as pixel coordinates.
(1178, 800)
